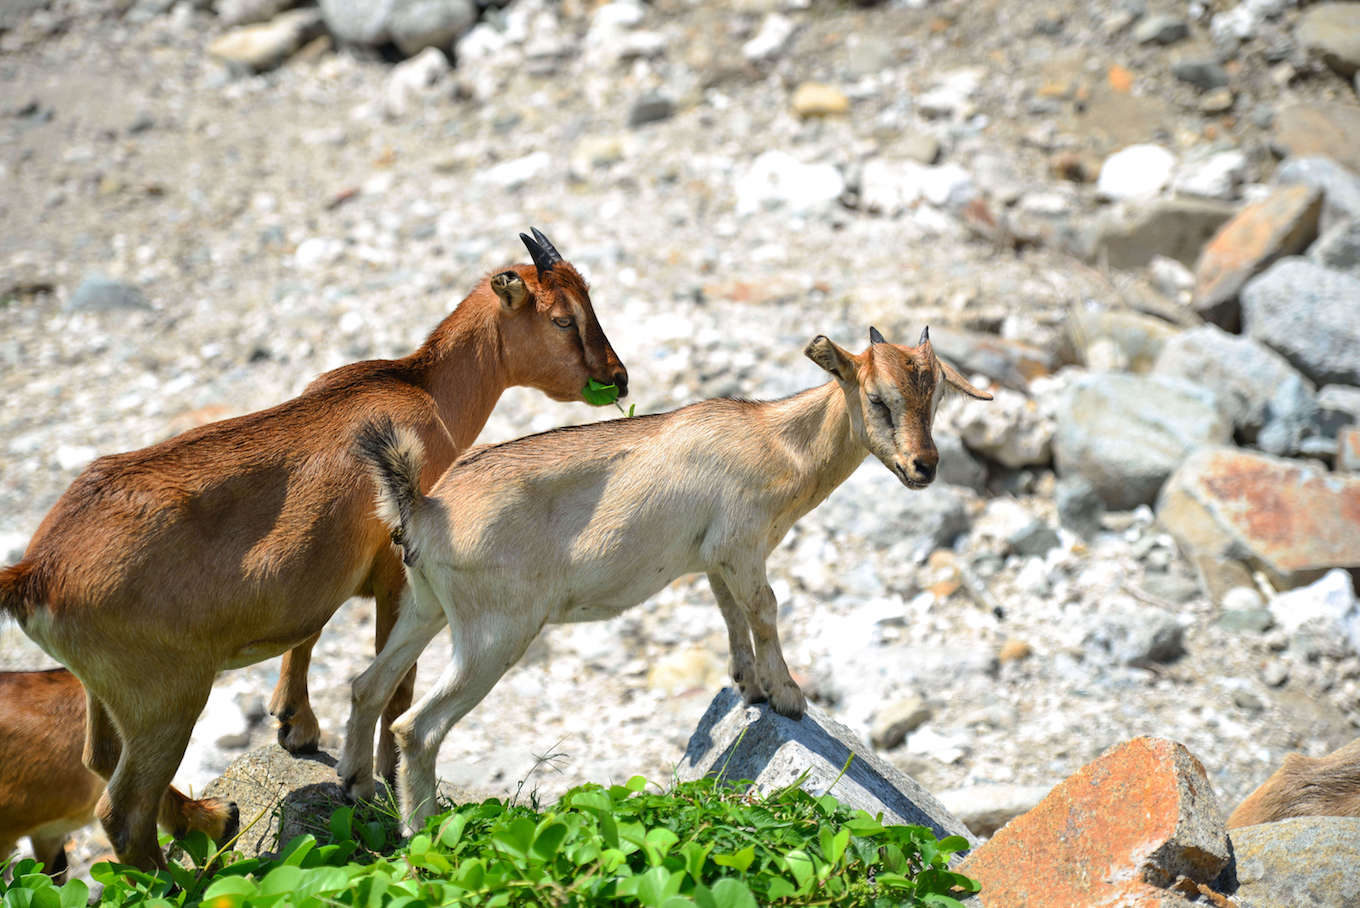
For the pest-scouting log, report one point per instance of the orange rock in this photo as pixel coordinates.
(1283, 223)
(1013, 651)
(1121, 79)
(1114, 834)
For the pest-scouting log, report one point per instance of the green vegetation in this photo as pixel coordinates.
(598, 394)
(699, 844)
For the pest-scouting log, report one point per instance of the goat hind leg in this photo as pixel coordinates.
(299, 731)
(51, 850)
(389, 580)
(744, 673)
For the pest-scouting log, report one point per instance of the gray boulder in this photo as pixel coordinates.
(736, 742)
(1332, 32)
(1312, 861)
(1269, 402)
(101, 294)
(1310, 315)
(1340, 185)
(1126, 433)
(412, 25)
(1339, 248)
(280, 796)
(875, 506)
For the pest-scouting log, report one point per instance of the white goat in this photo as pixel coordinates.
(584, 522)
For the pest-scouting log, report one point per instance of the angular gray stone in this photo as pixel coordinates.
(1340, 186)
(738, 742)
(1034, 539)
(1202, 74)
(875, 506)
(958, 466)
(1332, 32)
(651, 108)
(898, 719)
(1176, 228)
(1309, 314)
(417, 24)
(1126, 433)
(1339, 248)
(1079, 505)
(1313, 861)
(1268, 401)
(280, 796)
(101, 294)
(1138, 636)
(1161, 30)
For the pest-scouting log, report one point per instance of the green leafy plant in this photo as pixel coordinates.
(598, 394)
(699, 845)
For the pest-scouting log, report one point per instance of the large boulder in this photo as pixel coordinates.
(1269, 402)
(412, 25)
(1132, 236)
(1332, 32)
(1311, 315)
(1126, 433)
(1287, 518)
(1118, 832)
(280, 796)
(1312, 861)
(1340, 186)
(736, 743)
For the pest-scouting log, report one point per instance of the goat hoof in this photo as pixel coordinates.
(356, 790)
(233, 824)
(296, 741)
(789, 702)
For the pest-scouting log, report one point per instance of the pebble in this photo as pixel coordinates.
(776, 179)
(776, 31)
(814, 99)
(97, 293)
(651, 108)
(1161, 30)
(898, 719)
(1205, 75)
(1138, 171)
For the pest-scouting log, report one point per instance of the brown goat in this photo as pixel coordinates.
(1306, 787)
(45, 790)
(236, 541)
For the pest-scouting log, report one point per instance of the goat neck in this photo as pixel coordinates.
(813, 431)
(462, 365)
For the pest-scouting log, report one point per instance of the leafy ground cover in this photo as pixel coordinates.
(698, 844)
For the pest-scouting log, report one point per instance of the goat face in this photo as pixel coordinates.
(891, 393)
(549, 326)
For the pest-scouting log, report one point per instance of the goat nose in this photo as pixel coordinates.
(925, 467)
(621, 382)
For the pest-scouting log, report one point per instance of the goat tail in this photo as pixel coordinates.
(394, 457)
(17, 592)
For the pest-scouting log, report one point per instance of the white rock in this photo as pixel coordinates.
(1010, 429)
(71, 457)
(266, 44)
(318, 252)
(412, 80)
(481, 42)
(1241, 599)
(618, 15)
(1330, 602)
(1170, 276)
(510, 174)
(1236, 24)
(926, 742)
(774, 35)
(1138, 171)
(777, 179)
(950, 97)
(1219, 176)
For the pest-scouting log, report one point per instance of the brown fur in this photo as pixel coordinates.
(1306, 787)
(45, 790)
(236, 541)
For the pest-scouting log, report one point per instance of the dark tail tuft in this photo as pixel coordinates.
(17, 594)
(394, 457)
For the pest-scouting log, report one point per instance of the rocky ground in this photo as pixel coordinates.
(185, 238)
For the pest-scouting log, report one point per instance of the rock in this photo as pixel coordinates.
(898, 719)
(958, 466)
(1137, 636)
(1282, 224)
(892, 187)
(951, 96)
(651, 108)
(1128, 238)
(755, 743)
(1011, 429)
(1332, 32)
(318, 252)
(1348, 451)
(518, 171)
(1034, 540)
(1338, 406)
(1340, 186)
(266, 45)
(1126, 433)
(288, 796)
(1328, 606)
(1079, 505)
(1160, 30)
(1011, 363)
(1139, 337)
(1311, 861)
(813, 99)
(415, 25)
(776, 31)
(1268, 401)
(357, 21)
(1219, 176)
(97, 293)
(1284, 517)
(1330, 130)
(1170, 277)
(1307, 313)
(246, 12)
(1014, 650)
(1138, 818)
(1256, 620)
(986, 807)
(776, 179)
(413, 80)
(1339, 248)
(1217, 100)
(1139, 171)
(918, 146)
(873, 505)
(1202, 74)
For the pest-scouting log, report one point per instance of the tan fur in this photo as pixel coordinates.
(583, 523)
(45, 790)
(1306, 787)
(235, 542)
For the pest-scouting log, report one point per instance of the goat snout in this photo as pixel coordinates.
(620, 380)
(923, 468)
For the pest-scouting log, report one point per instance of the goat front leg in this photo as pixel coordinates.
(743, 665)
(299, 731)
(753, 595)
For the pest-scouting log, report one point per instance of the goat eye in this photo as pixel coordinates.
(564, 321)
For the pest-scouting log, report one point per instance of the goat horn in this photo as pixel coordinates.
(553, 255)
(875, 337)
(542, 260)
(925, 336)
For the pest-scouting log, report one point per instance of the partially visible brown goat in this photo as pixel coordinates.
(237, 541)
(1306, 787)
(45, 790)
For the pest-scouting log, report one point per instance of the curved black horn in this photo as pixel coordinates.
(547, 245)
(875, 337)
(543, 260)
(925, 336)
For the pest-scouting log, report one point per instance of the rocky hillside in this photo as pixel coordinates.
(1136, 220)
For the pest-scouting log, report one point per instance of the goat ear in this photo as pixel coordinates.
(953, 378)
(830, 357)
(511, 289)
